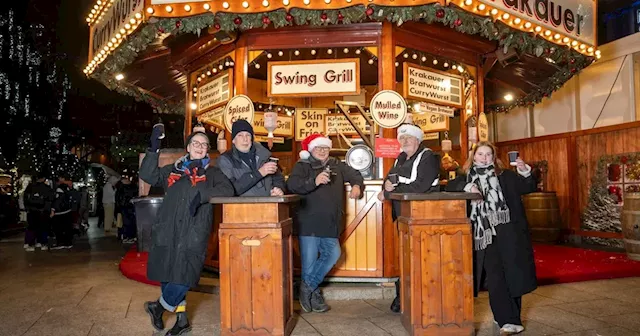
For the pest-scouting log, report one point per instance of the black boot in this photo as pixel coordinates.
(155, 310)
(305, 296)
(181, 327)
(317, 302)
(395, 305)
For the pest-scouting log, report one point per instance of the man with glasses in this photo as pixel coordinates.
(320, 179)
(249, 166)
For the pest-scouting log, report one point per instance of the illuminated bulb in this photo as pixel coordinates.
(195, 90)
(127, 26)
(96, 6)
(565, 40)
(598, 56)
(194, 106)
(285, 2)
(582, 46)
(330, 51)
(110, 44)
(590, 50)
(169, 9)
(527, 25)
(517, 21)
(414, 56)
(435, 62)
(199, 79)
(280, 53)
(470, 81)
(118, 36)
(202, 76)
(269, 55)
(574, 43)
(397, 64)
(119, 77)
(132, 21)
(313, 51)
(538, 29)
(424, 58)
(220, 66)
(93, 11)
(90, 15)
(257, 66)
(88, 19)
(371, 61)
(123, 31)
(265, 3)
(327, 1)
(505, 16)
(460, 69)
(446, 65)
(348, 1)
(207, 6)
(106, 48)
(297, 53)
(405, 55)
(468, 2)
(225, 5)
(597, 52)
(345, 50)
(138, 16)
(187, 8)
(209, 73)
(494, 11)
(557, 36)
(481, 7)
(547, 33)
(99, 2)
(306, 2)
(245, 4)
(85, 71)
(508, 97)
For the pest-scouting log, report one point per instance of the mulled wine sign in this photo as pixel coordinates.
(572, 18)
(284, 125)
(429, 85)
(309, 121)
(239, 107)
(314, 78)
(388, 109)
(214, 92)
(118, 19)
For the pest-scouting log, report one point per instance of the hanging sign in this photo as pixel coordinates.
(309, 121)
(239, 107)
(263, 138)
(387, 148)
(423, 107)
(388, 109)
(483, 127)
(284, 125)
(338, 123)
(314, 78)
(430, 122)
(214, 117)
(575, 19)
(432, 136)
(214, 92)
(429, 85)
(116, 19)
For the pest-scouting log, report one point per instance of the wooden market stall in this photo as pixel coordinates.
(452, 61)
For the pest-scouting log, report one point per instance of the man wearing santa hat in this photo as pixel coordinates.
(416, 170)
(319, 179)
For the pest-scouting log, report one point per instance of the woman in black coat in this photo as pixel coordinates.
(502, 244)
(180, 233)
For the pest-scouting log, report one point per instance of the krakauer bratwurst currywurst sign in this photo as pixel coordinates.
(314, 78)
(425, 84)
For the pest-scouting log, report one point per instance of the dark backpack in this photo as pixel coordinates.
(34, 198)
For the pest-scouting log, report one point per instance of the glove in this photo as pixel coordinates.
(156, 135)
(195, 204)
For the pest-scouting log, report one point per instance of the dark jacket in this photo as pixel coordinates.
(124, 195)
(321, 208)
(179, 240)
(247, 181)
(513, 238)
(63, 202)
(427, 175)
(38, 197)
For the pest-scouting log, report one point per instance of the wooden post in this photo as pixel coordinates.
(256, 265)
(436, 264)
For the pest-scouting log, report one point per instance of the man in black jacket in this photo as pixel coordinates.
(319, 179)
(416, 170)
(247, 165)
(37, 201)
(61, 214)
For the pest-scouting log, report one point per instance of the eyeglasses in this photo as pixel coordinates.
(197, 144)
(322, 149)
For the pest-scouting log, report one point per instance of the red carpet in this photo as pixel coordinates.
(554, 264)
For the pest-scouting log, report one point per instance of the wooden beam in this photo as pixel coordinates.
(505, 85)
(488, 63)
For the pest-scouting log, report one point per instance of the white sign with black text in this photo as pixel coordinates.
(388, 109)
(239, 107)
(424, 84)
(314, 78)
(214, 92)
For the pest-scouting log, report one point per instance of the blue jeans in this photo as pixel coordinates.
(315, 268)
(173, 297)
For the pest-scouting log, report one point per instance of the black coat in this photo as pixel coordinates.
(247, 181)
(179, 240)
(427, 173)
(321, 208)
(38, 197)
(513, 238)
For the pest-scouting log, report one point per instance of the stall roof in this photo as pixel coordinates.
(137, 51)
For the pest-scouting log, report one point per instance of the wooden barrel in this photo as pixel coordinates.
(631, 224)
(543, 215)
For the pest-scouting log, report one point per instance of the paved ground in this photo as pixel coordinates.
(81, 292)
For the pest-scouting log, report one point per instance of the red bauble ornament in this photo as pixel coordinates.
(289, 17)
(458, 22)
(216, 26)
(624, 159)
(237, 21)
(323, 16)
(572, 61)
(369, 11)
(440, 13)
(178, 24)
(266, 21)
(573, 70)
(340, 16)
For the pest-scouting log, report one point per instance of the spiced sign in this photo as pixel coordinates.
(239, 107)
(388, 109)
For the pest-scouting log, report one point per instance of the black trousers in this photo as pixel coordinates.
(63, 227)
(505, 307)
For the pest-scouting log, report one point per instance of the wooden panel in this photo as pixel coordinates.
(255, 213)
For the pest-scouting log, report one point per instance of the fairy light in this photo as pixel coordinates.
(482, 7)
(169, 9)
(207, 7)
(187, 8)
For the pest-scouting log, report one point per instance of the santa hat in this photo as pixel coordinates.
(311, 142)
(412, 130)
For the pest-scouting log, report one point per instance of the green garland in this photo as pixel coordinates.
(568, 61)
